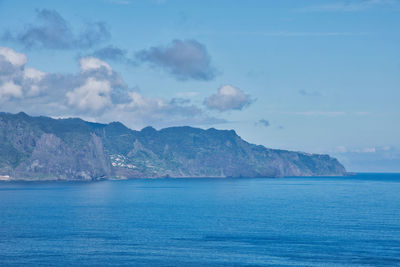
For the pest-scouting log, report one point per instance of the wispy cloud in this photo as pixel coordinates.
(128, 2)
(309, 93)
(113, 53)
(120, 2)
(298, 34)
(187, 94)
(362, 113)
(320, 113)
(348, 6)
(263, 122)
(323, 113)
(289, 34)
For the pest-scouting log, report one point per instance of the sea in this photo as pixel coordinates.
(324, 221)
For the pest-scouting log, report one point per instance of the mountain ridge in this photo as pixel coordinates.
(43, 148)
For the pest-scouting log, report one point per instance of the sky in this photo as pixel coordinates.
(313, 76)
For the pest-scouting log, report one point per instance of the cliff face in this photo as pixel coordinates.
(71, 149)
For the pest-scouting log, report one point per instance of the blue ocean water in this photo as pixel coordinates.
(332, 221)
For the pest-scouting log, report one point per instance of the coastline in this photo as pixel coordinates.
(7, 178)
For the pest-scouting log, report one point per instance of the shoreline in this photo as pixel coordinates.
(7, 178)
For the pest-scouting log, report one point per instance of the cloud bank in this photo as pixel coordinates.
(96, 93)
(369, 159)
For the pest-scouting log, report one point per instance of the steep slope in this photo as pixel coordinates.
(73, 149)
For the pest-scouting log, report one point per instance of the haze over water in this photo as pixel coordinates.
(291, 221)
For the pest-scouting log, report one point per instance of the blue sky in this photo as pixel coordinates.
(315, 76)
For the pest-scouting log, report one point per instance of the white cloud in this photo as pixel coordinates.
(228, 98)
(93, 95)
(137, 101)
(365, 150)
(32, 78)
(141, 111)
(16, 59)
(94, 92)
(10, 89)
(343, 149)
(16, 80)
(92, 63)
(34, 74)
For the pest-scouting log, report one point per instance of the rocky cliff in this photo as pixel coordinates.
(41, 148)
